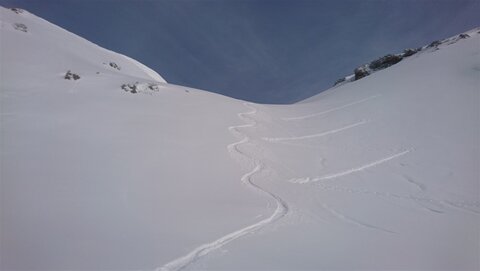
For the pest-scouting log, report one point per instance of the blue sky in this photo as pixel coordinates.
(261, 51)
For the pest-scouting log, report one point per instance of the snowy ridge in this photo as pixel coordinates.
(47, 30)
(392, 59)
(153, 74)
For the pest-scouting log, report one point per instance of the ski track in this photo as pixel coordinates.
(461, 206)
(353, 221)
(421, 187)
(430, 204)
(422, 201)
(331, 110)
(280, 211)
(277, 139)
(350, 171)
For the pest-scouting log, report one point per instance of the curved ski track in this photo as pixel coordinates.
(350, 171)
(353, 221)
(346, 127)
(280, 211)
(331, 110)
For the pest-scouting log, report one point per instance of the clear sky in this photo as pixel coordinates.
(262, 51)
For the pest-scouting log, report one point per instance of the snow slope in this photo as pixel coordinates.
(380, 173)
(59, 49)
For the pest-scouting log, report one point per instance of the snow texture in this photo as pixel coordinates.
(379, 173)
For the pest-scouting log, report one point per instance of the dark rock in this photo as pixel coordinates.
(20, 27)
(17, 10)
(341, 80)
(434, 44)
(154, 87)
(114, 65)
(143, 87)
(71, 76)
(464, 36)
(361, 72)
(410, 52)
(132, 88)
(384, 62)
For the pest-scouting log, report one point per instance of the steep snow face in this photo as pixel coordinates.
(94, 177)
(43, 44)
(119, 170)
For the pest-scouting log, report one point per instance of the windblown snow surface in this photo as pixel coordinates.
(381, 173)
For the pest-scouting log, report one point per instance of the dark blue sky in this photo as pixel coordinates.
(262, 51)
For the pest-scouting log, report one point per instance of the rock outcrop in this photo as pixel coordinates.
(392, 59)
(361, 72)
(20, 27)
(71, 76)
(146, 88)
(114, 65)
(17, 10)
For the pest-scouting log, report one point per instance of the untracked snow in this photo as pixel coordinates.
(120, 170)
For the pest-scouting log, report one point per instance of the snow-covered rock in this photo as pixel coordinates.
(20, 27)
(389, 60)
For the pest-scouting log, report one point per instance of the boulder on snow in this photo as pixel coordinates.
(132, 88)
(71, 76)
(154, 87)
(361, 72)
(20, 27)
(385, 62)
(463, 36)
(17, 10)
(144, 87)
(114, 65)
